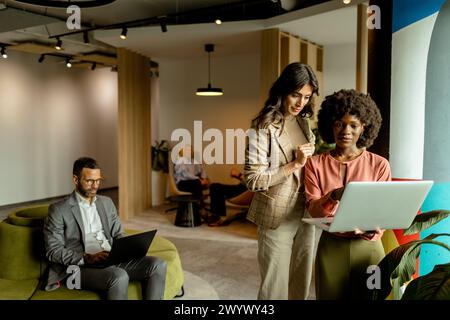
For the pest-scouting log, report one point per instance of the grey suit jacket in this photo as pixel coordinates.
(64, 233)
(276, 195)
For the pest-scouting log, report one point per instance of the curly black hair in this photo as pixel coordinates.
(361, 105)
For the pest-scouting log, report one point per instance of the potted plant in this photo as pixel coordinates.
(160, 156)
(399, 265)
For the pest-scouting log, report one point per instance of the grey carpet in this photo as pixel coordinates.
(229, 267)
(219, 262)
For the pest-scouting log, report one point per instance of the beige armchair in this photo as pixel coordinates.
(172, 189)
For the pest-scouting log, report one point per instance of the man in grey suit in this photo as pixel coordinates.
(80, 229)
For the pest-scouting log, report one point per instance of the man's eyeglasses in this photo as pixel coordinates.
(90, 182)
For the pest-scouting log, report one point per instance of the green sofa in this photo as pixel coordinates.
(23, 264)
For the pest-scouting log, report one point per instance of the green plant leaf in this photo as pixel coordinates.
(433, 286)
(391, 261)
(407, 265)
(426, 220)
(387, 266)
(320, 145)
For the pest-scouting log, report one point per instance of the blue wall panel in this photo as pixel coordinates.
(430, 255)
(406, 12)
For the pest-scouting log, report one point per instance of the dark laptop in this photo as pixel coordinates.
(127, 248)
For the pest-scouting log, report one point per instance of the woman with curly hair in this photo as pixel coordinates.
(351, 120)
(285, 242)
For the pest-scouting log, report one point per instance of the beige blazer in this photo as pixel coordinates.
(276, 195)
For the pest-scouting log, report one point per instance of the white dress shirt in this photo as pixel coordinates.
(95, 240)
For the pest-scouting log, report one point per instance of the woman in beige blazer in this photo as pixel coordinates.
(277, 149)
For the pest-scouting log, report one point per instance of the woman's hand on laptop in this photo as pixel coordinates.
(336, 194)
(373, 235)
(96, 257)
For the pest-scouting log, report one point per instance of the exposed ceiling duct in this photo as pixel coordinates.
(13, 19)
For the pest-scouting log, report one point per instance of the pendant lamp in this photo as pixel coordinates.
(209, 91)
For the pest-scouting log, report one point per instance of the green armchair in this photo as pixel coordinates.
(23, 264)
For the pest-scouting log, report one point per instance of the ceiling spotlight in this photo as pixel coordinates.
(346, 1)
(94, 65)
(86, 37)
(41, 58)
(218, 21)
(3, 53)
(123, 35)
(209, 91)
(68, 63)
(58, 44)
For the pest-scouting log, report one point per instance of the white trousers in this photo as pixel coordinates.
(286, 259)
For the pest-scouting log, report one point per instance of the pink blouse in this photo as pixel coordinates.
(323, 175)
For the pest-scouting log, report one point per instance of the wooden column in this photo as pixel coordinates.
(134, 129)
(361, 49)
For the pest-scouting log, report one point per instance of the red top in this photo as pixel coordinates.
(323, 175)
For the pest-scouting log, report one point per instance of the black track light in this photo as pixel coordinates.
(94, 65)
(58, 44)
(68, 63)
(3, 53)
(163, 26)
(86, 37)
(123, 35)
(41, 58)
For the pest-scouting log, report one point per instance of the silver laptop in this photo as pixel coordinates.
(371, 205)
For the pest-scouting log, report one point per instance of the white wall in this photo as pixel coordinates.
(49, 116)
(237, 75)
(410, 47)
(339, 68)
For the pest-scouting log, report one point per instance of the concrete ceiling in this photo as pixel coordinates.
(337, 26)
(318, 23)
(333, 27)
(187, 41)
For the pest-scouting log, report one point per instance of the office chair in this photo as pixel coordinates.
(172, 189)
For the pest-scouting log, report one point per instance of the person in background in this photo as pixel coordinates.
(190, 176)
(351, 120)
(220, 192)
(80, 230)
(285, 242)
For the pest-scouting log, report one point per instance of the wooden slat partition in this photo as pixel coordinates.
(278, 49)
(270, 61)
(134, 130)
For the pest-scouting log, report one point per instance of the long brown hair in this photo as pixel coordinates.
(294, 76)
